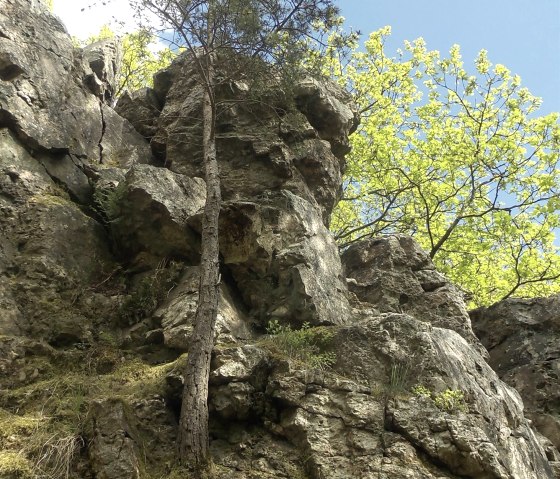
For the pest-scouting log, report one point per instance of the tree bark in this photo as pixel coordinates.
(193, 441)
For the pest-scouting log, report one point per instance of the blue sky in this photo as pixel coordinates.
(523, 35)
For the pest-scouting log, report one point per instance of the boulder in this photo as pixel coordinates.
(394, 274)
(381, 411)
(141, 108)
(330, 110)
(104, 59)
(280, 180)
(115, 445)
(284, 261)
(151, 210)
(176, 314)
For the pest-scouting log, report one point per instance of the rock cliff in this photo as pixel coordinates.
(326, 366)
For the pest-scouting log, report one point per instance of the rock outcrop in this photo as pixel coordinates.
(320, 370)
(523, 339)
(395, 275)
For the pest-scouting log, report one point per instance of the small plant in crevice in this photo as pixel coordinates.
(400, 376)
(149, 292)
(107, 202)
(306, 345)
(450, 400)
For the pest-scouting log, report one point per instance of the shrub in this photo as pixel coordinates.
(450, 400)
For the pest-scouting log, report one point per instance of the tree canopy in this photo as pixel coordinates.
(461, 161)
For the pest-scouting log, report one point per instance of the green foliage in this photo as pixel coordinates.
(139, 61)
(306, 345)
(459, 160)
(44, 438)
(400, 376)
(149, 292)
(15, 465)
(421, 391)
(108, 201)
(450, 400)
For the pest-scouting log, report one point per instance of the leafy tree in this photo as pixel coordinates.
(460, 161)
(139, 62)
(257, 34)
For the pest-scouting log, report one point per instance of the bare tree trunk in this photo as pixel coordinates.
(193, 442)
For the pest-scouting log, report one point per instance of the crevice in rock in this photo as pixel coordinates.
(103, 128)
(10, 72)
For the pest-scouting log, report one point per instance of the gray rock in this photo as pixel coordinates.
(176, 314)
(115, 445)
(104, 59)
(258, 149)
(330, 110)
(41, 276)
(365, 421)
(121, 145)
(523, 339)
(141, 108)
(284, 261)
(66, 171)
(394, 274)
(154, 206)
(43, 97)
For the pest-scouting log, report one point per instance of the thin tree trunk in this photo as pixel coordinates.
(193, 442)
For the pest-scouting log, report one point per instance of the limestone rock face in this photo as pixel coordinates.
(284, 261)
(523, 339)
(395, 275)
(154, 206)
(50, 95)
(177, 313)
(329, 111)
(142, 109)
(41, 275)
(103, 57)
(362, 420)
(114, 448)
(280, 178)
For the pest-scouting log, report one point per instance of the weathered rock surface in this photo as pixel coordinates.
(176, 314)
(395, 275)
(104, 58)
(152, 210)
(284, 261)
(279, 178)
(44, 96)
(259, 149)
(523, 339)
(114, 447)
(41, 276)
(362, 420)
(141, 108)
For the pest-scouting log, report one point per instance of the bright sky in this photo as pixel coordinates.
(524, 35)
